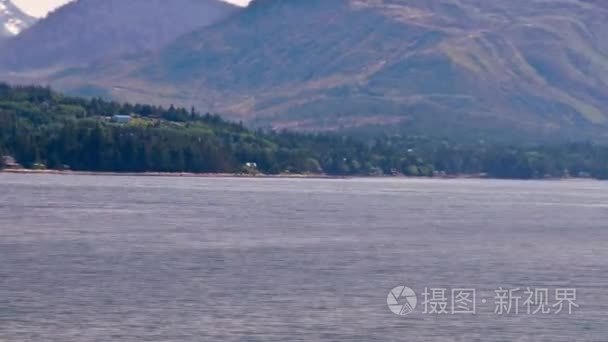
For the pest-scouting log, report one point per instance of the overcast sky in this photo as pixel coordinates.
(40, 8)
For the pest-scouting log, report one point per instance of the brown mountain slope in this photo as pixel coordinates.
(526, 65)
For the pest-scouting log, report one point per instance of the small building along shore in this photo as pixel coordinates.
(10, 163)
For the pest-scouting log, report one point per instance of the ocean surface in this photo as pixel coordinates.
(100, 258)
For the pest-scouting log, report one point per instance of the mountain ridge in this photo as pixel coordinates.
(537, 67)
(84, 31)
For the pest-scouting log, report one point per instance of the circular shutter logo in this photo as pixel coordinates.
(402, 300)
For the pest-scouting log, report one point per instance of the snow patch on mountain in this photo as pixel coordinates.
(12, 19)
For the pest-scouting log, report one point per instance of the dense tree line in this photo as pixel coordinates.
(41, 128)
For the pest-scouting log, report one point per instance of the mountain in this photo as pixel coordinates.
(12, 19)
(537, 67)
(87, 30)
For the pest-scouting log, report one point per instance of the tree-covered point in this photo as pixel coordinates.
(44, 129)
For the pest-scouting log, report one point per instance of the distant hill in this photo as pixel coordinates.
(87, 30)
(12, 20)
(536, 67)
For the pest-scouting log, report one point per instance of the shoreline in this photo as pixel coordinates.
(266, 176)
(166, 174)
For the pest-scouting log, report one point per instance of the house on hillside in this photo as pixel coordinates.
(121, 119)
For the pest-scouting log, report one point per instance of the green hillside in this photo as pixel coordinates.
(43, 129)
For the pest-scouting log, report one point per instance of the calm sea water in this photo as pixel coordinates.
(99, 258)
